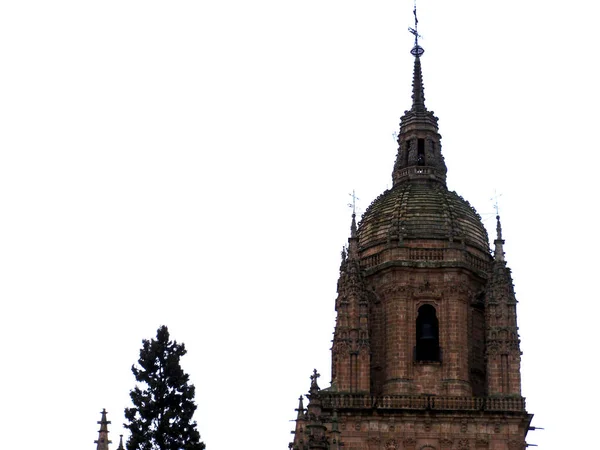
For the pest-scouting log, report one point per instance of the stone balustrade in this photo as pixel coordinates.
(431, 256)
(422, 402)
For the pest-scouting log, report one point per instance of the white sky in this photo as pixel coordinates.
(188, 163)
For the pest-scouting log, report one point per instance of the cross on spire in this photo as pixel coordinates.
(417, 50)
(353, 204)
(495, 198)
(314, 376)
(314, 387)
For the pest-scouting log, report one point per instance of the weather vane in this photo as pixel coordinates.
(353, 204)
(417, 50)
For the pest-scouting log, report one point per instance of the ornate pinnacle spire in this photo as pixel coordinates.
(498, 243)
(300, 408)
(353, 241)
(418, 95)
(298, 433)
(419, 155)
(103, 433)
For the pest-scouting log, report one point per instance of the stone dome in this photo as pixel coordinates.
(421, 210)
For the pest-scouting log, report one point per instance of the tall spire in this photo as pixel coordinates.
(418, 95)
(350, 350)
(103, 432)
(353, 240)
(503, 353)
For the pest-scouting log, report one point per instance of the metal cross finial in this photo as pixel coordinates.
(353, 204)
(495, 199)
(417, 50)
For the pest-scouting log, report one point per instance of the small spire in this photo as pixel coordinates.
(121, 443)
(499, 242)
(300, 408)
(103, 433)
(353, 241)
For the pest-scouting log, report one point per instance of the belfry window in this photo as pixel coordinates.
(428, 335)
(420, 152)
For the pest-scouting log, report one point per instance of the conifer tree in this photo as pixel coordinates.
(163, 400)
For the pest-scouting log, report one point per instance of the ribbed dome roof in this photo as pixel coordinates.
(421, 210)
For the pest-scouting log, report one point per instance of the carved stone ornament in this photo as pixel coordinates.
(391, 445)
(426, 291)
(373, 441)
(410, 443)
(427, 425)
(392, 290)
(463, 444)
(492, 350)
(464, 425)
(446, 443)
(482, 442)
(458, 290)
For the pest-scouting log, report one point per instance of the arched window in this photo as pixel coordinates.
(428, 335)
(420, 152)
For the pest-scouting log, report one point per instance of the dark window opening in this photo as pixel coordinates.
(406, 152)
(428, 335)
(421, 152)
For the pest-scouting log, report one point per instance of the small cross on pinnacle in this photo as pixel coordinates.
(353, 204)
(495, 199)
(314, 387)
(315, 375)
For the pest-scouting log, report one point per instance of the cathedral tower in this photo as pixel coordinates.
(425, 353)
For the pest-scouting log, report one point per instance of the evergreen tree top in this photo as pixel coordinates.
(163, 400)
